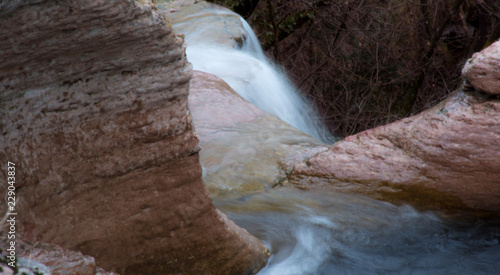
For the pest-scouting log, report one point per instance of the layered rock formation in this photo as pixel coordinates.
(94, 115)
(445, 157)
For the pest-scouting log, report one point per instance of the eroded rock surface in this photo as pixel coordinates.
(483, 69)
(94, 114)
(244, 149)
(453, 148)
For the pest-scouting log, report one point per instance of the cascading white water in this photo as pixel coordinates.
(247, 70)
(252, 45)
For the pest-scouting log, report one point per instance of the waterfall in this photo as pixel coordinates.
(251, 44)
(248, 71)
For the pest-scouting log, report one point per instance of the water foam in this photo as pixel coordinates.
(248, 71)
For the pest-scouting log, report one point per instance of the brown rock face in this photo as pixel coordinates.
(453, 148)
(483, 69)
(94, 115)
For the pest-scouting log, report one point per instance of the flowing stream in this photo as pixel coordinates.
(313, 232)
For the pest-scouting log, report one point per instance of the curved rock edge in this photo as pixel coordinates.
(68, 124)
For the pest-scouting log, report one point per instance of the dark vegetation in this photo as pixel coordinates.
(365, 63)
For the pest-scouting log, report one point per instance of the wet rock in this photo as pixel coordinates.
(94, 114)
(244, 150)
(452, 149)
(483, 69)
(213, 24)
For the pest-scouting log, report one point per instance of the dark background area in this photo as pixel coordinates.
(365, 63)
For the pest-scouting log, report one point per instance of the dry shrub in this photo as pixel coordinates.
(365, 63)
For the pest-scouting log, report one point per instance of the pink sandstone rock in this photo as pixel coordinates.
(483, 69)
(94, 114)
(215, 106)
(453, 148)
(244, 150)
